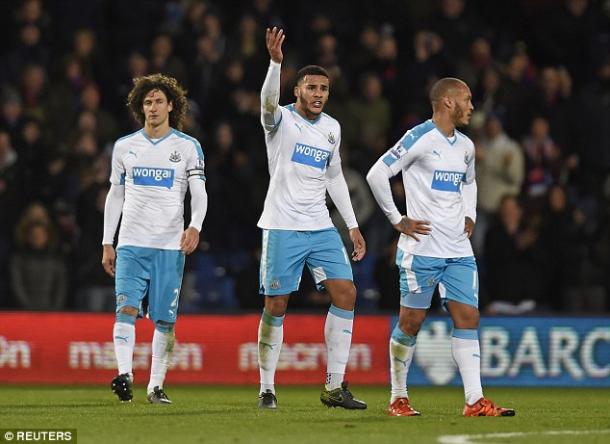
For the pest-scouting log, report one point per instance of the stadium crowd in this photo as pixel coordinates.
(540, 75)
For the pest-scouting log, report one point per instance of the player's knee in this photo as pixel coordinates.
(464, 316)
(128, 311)
(344, 297)
(277, 305)
(165, 327)
(410, 322)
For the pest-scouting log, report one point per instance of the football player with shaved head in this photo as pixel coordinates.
(437, 166)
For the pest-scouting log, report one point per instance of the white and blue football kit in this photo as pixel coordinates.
(438, 176)
(155, 175)
(304, 163)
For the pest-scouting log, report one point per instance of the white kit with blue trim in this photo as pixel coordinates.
(155, 174)
(304, 161)
(434, 169)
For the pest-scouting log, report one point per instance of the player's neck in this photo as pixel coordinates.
(444, 124)
(156, 132)
(304, 113)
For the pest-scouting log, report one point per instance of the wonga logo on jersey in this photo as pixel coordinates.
(153, 177)
(310, 155)
(447, 180)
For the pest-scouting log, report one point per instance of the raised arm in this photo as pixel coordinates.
(271, 115)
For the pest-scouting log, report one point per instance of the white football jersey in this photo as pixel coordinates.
(155, 174)
(434, 168)
(299, 152)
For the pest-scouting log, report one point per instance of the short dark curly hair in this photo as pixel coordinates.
(174, 92)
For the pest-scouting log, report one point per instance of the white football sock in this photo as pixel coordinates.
(124, 336)
(402, 347)
(338, 334)
(162, 348)
(467, 356)
(270, 338)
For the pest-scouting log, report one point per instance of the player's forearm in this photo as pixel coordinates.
(469, 194)
(112, 212)
(378, 178)
(339, 193)
(199, 202)
(270, 97)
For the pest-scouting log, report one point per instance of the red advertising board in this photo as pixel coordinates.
(77, 348)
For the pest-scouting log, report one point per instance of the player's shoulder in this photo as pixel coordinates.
(417, 135)
(330, 121)
(187, 141)
(122, 143)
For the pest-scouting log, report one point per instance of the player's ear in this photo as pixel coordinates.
(448, 102)
(297, 92)
(170, 107)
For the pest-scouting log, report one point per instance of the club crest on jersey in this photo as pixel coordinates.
(310, 155)
(331, 138)
(447, 180)
(153, 177)
(175, 157)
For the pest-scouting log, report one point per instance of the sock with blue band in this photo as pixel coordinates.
(338, 335)
(124, 338)
(270, 338)
(402, 347)
(467, 355)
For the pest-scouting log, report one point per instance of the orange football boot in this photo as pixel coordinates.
(485, 407)
(401, 407)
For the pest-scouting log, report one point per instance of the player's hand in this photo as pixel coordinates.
(412, 227)
(359, 244)
(468, 226)
(275, 37)
(108, 259)
(189, 240)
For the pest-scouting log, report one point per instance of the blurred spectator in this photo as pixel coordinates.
(500, 170)
(542, 159)
(162, 58)
(106, 127)
(514, 263)
(38, 274)
(29, 51)
(517, 92)
(369, 118)
(576, 278)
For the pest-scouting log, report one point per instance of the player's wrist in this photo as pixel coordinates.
(395, 218)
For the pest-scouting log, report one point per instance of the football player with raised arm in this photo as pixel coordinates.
(304, 163)
(437, 166)
(151, 171)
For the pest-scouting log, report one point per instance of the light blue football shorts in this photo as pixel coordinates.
(457, 280)
(285, 252)
(158, 273)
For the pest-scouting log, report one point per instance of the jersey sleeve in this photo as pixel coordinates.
(401, 155)
(195, 162)
(469, 177)
(271, 112)
(117, 168)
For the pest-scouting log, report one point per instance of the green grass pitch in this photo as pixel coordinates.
(228, 414)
